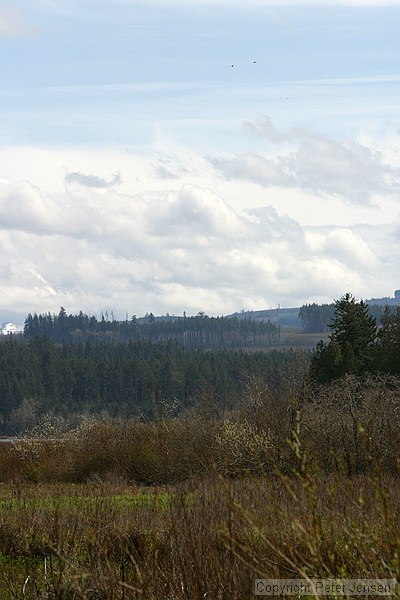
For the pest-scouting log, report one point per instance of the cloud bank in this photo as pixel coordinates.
(313, 162)
(187, 248)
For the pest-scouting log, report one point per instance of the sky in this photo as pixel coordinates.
(201, 155)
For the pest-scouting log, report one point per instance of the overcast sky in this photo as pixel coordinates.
(197, 155)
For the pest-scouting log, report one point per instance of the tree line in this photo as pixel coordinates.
(317, 318)
(200, 331)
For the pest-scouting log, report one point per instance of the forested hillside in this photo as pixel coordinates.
(74, 364)
(200, 331)
(127, 378)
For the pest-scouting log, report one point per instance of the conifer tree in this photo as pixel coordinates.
(350, 349)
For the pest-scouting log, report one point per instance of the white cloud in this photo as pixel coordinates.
(344, 169)
(24, 207)
(167, 251)
(92, 180)
(313, 162)
(345, 246)
(194, 209)
(255, 168)
(264, 128)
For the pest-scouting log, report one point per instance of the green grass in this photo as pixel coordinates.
(156, 501)
(211, 536)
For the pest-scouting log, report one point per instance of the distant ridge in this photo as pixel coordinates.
(289, 317)
(286, 317)
(386, 301)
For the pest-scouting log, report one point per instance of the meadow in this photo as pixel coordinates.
(198, 507)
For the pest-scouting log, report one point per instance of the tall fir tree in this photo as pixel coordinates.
(351, 345)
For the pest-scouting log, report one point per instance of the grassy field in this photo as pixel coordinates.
(198, 507)
(291, 337)
(201, 539)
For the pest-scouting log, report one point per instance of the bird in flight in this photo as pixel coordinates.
(254, 62)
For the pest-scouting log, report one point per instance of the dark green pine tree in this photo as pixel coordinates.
(351, 345)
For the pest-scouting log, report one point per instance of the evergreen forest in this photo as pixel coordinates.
(141, 378)
(75, 364)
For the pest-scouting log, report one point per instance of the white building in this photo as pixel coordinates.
(8, 328)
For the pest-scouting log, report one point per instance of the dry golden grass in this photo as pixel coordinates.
(192, 508)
